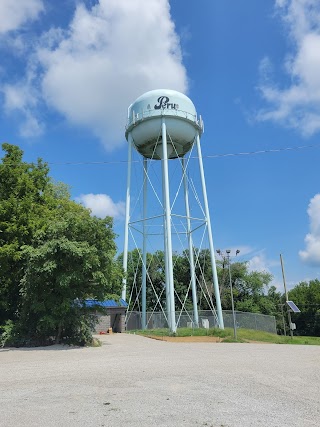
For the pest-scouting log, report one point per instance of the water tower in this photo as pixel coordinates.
(163, 126)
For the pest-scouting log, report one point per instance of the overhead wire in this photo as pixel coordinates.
(207, 156)
(271, 150)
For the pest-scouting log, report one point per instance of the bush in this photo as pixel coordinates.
(10, 335)
(78, 332)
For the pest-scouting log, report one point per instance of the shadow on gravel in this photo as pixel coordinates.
(55, 347)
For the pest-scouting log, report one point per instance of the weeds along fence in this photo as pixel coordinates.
(157, 320)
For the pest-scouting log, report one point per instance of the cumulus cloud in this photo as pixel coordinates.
(258, 263)
(110, 54)
(23, 98)
(258, 260)
(311, 255)
(101, 205)
(298, 104)
(16, 13)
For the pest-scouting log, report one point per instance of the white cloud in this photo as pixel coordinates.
(109, 55)
(265, 68)
(23, 98)
(102, 205)
(297, 105)
(258, 263)
(16, 13)
(257, 259)
(311, 255)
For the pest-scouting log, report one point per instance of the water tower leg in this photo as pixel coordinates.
(213, 260)
(144, 245)
(167, 229)
(166, 265)
(166, 273)
(191, 255)
(127, 218)
(167, 285)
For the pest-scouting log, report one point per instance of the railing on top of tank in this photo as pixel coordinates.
(147, 114)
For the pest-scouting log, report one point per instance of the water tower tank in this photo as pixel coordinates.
(145, 119)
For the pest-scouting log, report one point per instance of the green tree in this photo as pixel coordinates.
(274, 302)
(53, 255)
(250, 288)
(23, 211)
(155, 279)
(68, 262)
(306, 296)
(250, 291)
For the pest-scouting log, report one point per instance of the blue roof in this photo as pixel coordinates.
(106, 303)
(123, 303)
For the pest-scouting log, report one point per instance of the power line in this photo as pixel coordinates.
(272, 150)
(208, 156)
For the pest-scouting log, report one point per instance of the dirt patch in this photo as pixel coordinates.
(186, 339)
(199, 339)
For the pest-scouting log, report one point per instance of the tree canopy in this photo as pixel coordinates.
(53, 255)
(252, 290)
(306, 295)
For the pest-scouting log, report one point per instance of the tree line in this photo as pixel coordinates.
(54, 255)
(252, 290)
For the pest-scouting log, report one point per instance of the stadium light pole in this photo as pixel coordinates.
(227, 257)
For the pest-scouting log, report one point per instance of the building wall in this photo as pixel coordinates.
(104, 322)
(122, 323)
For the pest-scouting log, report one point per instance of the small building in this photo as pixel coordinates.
(110, 314)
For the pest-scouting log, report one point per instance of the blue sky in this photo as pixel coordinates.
(69, 69)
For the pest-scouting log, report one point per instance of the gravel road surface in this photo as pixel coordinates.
(136, 381)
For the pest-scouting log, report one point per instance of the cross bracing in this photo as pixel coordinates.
(189, 225)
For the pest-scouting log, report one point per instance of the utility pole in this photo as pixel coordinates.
(286, 294)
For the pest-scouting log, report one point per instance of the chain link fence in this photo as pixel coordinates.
(207, 319)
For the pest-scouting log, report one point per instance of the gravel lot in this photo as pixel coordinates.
(135, 381)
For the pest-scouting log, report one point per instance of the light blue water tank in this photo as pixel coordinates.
(145, 119)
